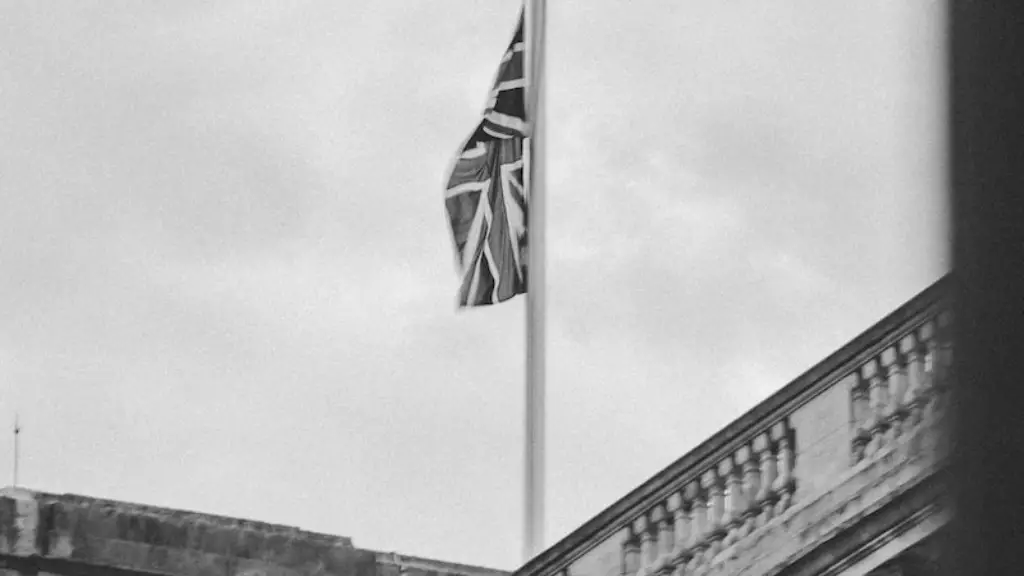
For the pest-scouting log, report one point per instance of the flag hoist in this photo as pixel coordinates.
(495, 204)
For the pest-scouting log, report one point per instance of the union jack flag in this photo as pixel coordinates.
(486, 199)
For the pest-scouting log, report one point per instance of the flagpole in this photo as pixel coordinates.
(17, 432)
(534, 28)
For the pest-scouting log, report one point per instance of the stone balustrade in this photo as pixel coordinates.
(783, 460)
(901, 385)
(712, 508)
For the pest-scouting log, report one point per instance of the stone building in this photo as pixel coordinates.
(840, 472)
(62, 534)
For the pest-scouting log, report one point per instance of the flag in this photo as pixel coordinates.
(486, 199)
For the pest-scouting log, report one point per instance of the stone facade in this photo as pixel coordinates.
(69, 535)
(841, 472)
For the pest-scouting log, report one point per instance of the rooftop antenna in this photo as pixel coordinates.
(17, 432)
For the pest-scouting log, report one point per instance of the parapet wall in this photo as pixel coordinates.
(74, 535)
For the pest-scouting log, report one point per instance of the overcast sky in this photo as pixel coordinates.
(227, 282)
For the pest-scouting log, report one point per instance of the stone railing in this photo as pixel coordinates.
(718, 507)
(902, 385)
(781, 456)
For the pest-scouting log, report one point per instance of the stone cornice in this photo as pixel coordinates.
(803, 388)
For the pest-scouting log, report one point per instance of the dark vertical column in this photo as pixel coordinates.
(986, 60)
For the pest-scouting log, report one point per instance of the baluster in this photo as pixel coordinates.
(643, 528)
(895, 375)
(876, 394)
(860, 413)
(870, 420)
(630, 553)
(944, 320)
(943, 364)
(945, 348)
(931, 381)
(784, 483)
(716, 509)
(751, 486)
(664, 538)
(735, 506)
(766, 497)
(927, 348)
(680, 552)
(915, 379)
(699, 524)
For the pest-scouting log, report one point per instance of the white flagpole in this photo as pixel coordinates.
(534, 28)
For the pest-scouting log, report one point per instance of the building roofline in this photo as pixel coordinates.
(230, 524)
(805, 385)
(176, 513)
